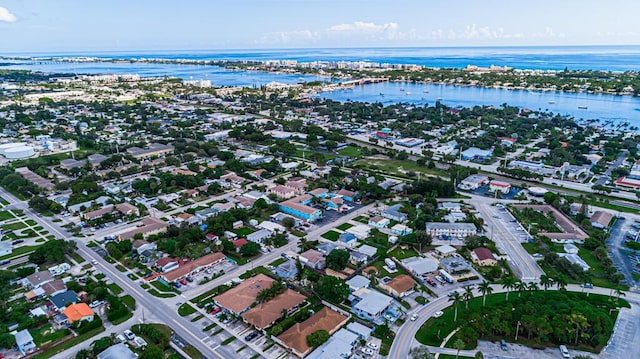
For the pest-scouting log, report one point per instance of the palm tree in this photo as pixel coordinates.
(467, 295)
(485, 288)
(520, 286)
(561, 282)
(458, 345)
(546, 281)
(456, 298)
(508, 283)
(532, 286)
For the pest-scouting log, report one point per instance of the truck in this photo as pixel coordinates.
(446, 276)
(390, 263)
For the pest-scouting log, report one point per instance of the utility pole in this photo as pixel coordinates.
(517, 329)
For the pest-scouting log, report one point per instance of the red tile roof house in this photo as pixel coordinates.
(240, 298)
(238, 243)
(195, 266)
(295, 338)
(483, 257)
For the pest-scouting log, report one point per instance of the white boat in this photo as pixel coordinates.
(408, 93)
(583, 107)
(425, 91)
(439, 99)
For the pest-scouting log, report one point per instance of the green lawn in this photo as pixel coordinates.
(362, 219)
(252, 272)
(350, 151)
(5, 215)
(195, 319)
(243, 232)
(401, 254)
(70, 343)
(192, 352)
(277, 262)
(15, 226)
(115, 289)
(209, 327)
(129, 301)
(399, 167)
(228, 341)
(46, 334)
(163, 288)
(344, 226)
(185, 309)
(155, 293)
(331, 235)
(19, 252)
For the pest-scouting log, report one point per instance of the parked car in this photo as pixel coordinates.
(438, 314)
(564, 351)
(129, 334)
(183, 281)
(189, 279)
(372, 345)
(586, 285)
(216, 310)
(121, 339)
(177, 285)
(251, 336)
(18, 241)
(368, 351)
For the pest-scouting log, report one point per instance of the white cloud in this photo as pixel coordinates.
(6, 16)
(361, 26)
(287, 37)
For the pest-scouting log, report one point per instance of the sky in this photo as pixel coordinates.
(56, 26)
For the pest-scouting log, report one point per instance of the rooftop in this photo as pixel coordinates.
(263, 314)
(244, 294)
(325, 319)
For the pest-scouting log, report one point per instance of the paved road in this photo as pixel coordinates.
(508, 237)
(405, 335)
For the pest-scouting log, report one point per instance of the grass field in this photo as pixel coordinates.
(331, 235)
(185, 309)
(344, 226)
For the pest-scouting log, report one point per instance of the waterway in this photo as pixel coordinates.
(598, 106)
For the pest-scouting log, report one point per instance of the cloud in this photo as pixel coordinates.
(287, 37)
(6, 16)
(357, 30)
(361, 26)
(481, 33)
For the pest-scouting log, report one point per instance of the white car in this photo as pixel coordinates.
(129, 334)
(372, 345)
(414, 317)
(564, 351)
(438, 314)
(368, 351)
(121, 338)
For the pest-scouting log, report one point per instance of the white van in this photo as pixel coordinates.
(564, 351)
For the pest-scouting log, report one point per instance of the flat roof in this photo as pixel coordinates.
(244, 294)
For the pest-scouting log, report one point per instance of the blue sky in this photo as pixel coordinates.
(30, 26)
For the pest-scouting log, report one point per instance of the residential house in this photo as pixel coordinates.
(298, 184)
(265, 314)
(483, 257)
(239, 243)
(398, 287)
(259, 236)
(287, 270)
(339, 345)
(347, 240)
(24, 342)
(420, 267)
(78, 312)
(358, 258)
(401, 230)
(369, 304)
(282, 192)
(37, 279)
(206, 213)
(379, 222)
(118, 351)
(188, 268)
(319, 192)
(295, 338)
(358, 282)
(240, 298)
(445, 250)
(600, 219)
(347, 195)
(60, 300)
(326, 247)
(312, 259)
(140, 245)
(167, 264)
(362, 331)
(393, 213)
(361, 231)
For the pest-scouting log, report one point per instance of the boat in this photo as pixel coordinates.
(551, 102)
(408, 93)
(381, 94)
(439, 99)
(401, 88)
(583, 107)
(425, 91)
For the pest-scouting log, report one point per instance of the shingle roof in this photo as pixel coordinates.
(242, 296)
(263, 314)
(296, 336)
(402, 283)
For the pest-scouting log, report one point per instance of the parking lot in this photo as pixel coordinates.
(200, 276)
(626, 335)
(517, 351)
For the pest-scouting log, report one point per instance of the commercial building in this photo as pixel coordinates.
(457, 230)
(153, 150)
(295, 338)
(299, 207)
(393, 213)
(265, 314)
(499, 186)
(189, 268)
(148, 226)
(419, 266)
(240, 298)
(476, 154)
(473, 182)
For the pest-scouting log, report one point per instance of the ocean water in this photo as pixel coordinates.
(602, 107)
(613, 58)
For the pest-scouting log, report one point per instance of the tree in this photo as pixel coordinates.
(152, 352)
(288, 223)
(250, 249)
(520, 286)
(333, 288)
(456, 298)
(7, 340)
(546, 281)
(421, 352)
(485, 288)
(561, 282)
(458, 345)
(508, 283)
(467, 295)
(423, 238)
(337, 259)
(317, 338)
